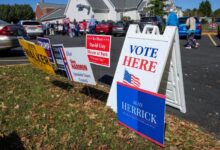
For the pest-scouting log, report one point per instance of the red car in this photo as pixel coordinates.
(83, 25)
(104, 27)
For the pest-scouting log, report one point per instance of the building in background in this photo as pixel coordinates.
(171, 5)
(81, 10)
(56, 16)
(49, 11)
(104, 9)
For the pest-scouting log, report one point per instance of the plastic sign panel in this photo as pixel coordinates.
(37, 56)
(57, 53)
(172, 81)
(78, 63)
(143, 57)
(45, 43)
(98, 48)
(142, 111)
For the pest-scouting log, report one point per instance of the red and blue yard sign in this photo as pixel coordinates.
(141, 111)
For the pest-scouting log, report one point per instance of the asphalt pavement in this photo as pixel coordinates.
(201, 72)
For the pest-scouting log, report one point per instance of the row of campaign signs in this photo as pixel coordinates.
(134, 91)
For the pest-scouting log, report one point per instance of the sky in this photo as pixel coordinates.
(195, 4)
(31, 2)
(181, 3)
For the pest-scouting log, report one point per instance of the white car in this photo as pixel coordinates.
(33, 28)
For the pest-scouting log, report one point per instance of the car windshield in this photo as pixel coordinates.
(31, 23)
(182, 20)
(217, 20)
(148, 19)
(119, 24)
(3, 22)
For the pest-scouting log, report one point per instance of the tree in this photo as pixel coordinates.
(205, 8)
(187, 12)
(156, 8)
(217, 13)
(14, 13)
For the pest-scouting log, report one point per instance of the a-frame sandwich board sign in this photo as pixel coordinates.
(151, 61)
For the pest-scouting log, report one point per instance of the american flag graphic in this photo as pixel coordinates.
(131, 79)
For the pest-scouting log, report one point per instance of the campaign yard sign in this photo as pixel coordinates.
(98, 49)
(79, 66)
(57, 52)
(37, 56)
(45, 43)
(141, 111)
(143, 61)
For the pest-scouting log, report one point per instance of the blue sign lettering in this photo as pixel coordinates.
(142, 112)
(145, 51)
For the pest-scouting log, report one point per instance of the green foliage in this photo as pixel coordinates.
(14, 13)
(217, 13)
(204, 21)
(126, 18)
(193, 12)
(205, 8)
(155, 8)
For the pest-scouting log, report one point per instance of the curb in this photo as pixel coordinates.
(207, 33)
(14, 65)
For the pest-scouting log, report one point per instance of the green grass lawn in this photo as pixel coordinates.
(39, 111)
(205, 28)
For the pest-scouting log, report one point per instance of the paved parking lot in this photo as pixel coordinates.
(201, 70)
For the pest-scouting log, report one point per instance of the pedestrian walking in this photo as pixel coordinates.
(191, 26)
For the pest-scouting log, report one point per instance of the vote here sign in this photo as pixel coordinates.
(98, 49)
(142, 62)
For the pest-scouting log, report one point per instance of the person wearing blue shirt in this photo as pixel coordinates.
(172, 19)
(92, 25)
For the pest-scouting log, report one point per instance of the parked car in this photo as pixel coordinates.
(104, 27)
(217, 21)
(9, 34)
(33, 28)
(153, 20)
(183, 28)
(121, 27)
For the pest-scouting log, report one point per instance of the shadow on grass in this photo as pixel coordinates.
(106, 79)
(95, 93)
(11, 142)
(62, 85)
(61, 73)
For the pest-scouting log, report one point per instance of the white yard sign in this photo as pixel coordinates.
(143, 60)
(79, 65)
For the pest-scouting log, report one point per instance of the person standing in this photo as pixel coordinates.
(92, 25)
(76, 29)
(172, 19)
(191, 26)
(71, 29)
(52, 29)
